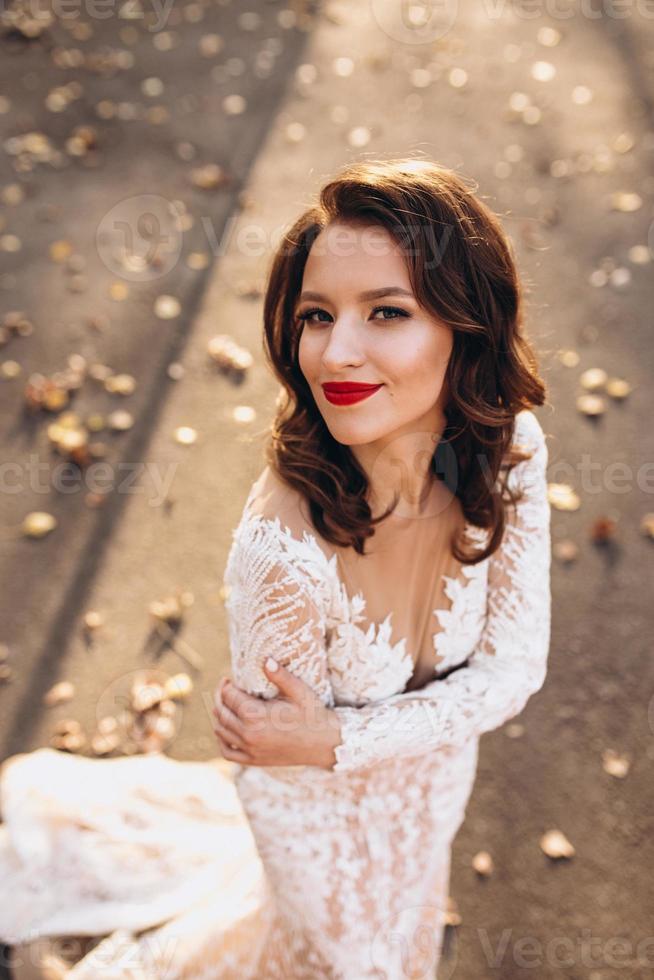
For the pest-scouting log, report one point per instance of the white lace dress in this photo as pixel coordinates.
(349, 876)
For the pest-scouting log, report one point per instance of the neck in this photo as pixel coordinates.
(404, 469)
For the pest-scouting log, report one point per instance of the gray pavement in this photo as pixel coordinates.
(118, 200)
(551, 177)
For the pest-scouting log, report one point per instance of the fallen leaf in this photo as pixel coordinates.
(179, 687)
(185, 435)
(167, 307)
(647, 525)
(482, 862)
(566, 550)
(556, 845)
(562, 497)
(593, 379)
(38, 523)
(618, 388)
(59, 693)
(615, 764)
(592, 405)
(603, 529)
(626, 201)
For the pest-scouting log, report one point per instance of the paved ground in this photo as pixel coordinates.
(551, 176)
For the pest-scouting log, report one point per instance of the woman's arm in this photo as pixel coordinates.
(276, 601)
(274, 609)
(507, 667)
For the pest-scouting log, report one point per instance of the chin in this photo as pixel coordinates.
(348, 436)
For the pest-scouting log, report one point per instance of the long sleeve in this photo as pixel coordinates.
(510, 662)
(274, 607)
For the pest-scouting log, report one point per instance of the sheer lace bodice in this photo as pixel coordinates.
(287, 599)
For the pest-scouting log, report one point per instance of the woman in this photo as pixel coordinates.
(405, 482)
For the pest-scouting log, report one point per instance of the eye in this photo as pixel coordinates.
(306, 317)
(392, 309)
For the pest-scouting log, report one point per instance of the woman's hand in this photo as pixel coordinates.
(294, 729)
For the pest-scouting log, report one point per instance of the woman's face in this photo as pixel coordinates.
(387, 340)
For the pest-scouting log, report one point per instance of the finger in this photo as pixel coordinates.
(229, 720)
(232, 754)
(231, 738)
(218, 691)
(235, 698)
(289, 686)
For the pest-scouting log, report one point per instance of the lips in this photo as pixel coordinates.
(347, 392)
(339, 387)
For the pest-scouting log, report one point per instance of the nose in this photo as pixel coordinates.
(343, 347)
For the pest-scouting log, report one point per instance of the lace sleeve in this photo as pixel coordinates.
(274, 608)
(510, 662)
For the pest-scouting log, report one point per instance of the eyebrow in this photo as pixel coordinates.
(368, 294)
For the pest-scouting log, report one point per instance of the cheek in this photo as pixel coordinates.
(307, 356)
(420, 361)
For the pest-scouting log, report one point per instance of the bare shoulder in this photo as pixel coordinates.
(271, 497)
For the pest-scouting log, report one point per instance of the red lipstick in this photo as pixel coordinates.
(347, 392)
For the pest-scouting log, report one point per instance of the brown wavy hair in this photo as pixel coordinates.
(472, 285)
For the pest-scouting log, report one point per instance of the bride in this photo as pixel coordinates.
(388, 602)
